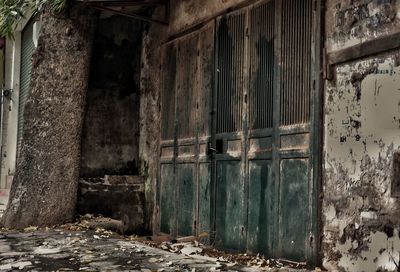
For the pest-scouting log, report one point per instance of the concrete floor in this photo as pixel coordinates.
(88, 250)
(65, 250)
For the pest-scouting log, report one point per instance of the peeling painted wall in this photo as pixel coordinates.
(362, 132)
(361, 212)
(350, 22)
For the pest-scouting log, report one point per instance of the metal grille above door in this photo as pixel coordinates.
(231, 53)
(262, 65)
(27, 50)
(296, 61)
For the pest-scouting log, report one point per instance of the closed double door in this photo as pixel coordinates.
(238, 155)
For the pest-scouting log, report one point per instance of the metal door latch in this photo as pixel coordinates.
(210, 149)
(215, 150)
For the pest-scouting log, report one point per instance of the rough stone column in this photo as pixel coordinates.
(44, 189)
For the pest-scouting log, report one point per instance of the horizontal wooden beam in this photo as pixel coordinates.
(365, 49)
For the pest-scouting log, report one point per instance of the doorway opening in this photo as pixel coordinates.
(110, 184)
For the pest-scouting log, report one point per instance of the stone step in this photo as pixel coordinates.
(117, 197)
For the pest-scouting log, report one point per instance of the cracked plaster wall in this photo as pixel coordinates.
(361, 213)
(351, 22)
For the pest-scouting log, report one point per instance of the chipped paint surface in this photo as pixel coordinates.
(351, 22)
(362, 132)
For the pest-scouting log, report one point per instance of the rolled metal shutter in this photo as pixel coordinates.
(27, 49)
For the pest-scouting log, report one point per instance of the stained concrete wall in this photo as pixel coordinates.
(110, 137)
(361, 212)
(185, 14)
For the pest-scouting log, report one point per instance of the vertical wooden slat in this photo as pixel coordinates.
(296, 59)
(186, 73)
(230, 38)
(168, 92)
(262, 65)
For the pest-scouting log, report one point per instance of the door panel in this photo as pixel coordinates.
(230, 208)
(167, 220)
(294, 212)
(230, 199)
(186, 209)
(293, 130)
(261, 203)
(186, 104)
(204, 197)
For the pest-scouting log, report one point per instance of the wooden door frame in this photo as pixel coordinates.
(317, 129)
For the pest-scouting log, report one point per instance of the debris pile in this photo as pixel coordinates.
(190, 246)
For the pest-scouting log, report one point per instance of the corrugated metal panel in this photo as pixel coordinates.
(296, 61)
(27, 49)
(262, 33)
(231, 50)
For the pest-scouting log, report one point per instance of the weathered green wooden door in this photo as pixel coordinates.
(237, 156)
(229, 128)
(185, 166)
(265, 188)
